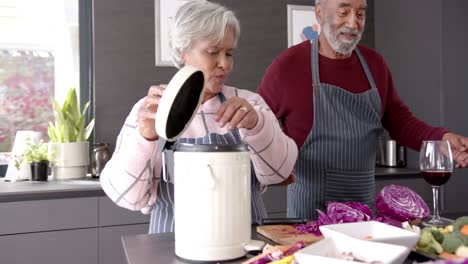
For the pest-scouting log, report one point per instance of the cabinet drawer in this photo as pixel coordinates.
(111, 214)
(44, 215)
(110, 242)
(71, 246)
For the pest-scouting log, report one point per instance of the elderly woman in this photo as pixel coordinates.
(204, 35)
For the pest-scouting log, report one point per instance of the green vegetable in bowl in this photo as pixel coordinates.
(459, 223)
(438, 235)
(462, 251)
(452, 241)
(427, 242)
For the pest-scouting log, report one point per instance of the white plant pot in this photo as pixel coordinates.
(69, 160)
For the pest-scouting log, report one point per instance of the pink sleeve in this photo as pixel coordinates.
(131, 176)
(273, 153)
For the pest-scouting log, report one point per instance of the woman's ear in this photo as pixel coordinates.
(183, 57)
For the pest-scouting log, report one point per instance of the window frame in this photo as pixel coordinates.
(86, 40)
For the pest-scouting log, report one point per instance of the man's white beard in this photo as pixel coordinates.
(344, 47)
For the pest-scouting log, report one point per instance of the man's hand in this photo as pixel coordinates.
(459, 146)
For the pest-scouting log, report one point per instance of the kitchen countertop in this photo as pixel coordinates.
(88, 186)
(159, 249)
(389, 172)
(52, 189)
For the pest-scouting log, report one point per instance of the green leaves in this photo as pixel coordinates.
(33, 153)
(69, 120)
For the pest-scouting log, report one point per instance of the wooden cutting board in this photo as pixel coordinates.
(286, 234)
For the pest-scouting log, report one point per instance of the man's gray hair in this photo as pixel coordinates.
(200, 20)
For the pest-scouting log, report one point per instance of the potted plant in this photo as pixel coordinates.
(68, 146)
(37, 156)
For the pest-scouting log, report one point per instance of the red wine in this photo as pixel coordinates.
(436, 178)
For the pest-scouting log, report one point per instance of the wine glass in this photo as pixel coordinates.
(436, 165)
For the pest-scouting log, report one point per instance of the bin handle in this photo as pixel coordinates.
(211, 179)
(166, 177)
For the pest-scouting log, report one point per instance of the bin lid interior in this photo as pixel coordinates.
(179, 103)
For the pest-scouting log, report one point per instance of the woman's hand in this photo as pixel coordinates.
(147, 112)
(236, 112)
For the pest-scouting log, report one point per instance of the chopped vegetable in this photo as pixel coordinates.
(294, 248)
(449, 256)
(285, 260)
(337, 212)
(427, 243)
(400, 203)
(414, 228)
(388, 221)
(462, 251)
(460, 223)
(446, 230)
(454, 261)
(464, 230)
(438, 235)
(276, 254)
(452, 241)
(395, 204)
(347, 212)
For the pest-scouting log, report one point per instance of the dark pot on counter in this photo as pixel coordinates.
(39, 170)
(101, 154)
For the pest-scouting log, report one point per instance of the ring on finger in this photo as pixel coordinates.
(244, 109)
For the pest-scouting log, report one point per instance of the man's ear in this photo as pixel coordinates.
(318, 13)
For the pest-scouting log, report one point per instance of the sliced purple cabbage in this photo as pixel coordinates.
(337, 213)
(394, 204)
(400, 203)
(348, 212)
(388, 221)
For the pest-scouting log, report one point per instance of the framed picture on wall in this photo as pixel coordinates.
(164, 11)
(302, 24)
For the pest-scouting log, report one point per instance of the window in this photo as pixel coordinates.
(41, 51)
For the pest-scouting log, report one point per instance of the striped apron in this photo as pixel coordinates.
(337, 160)
(162, 215)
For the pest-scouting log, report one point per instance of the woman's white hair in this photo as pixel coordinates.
(198, 20)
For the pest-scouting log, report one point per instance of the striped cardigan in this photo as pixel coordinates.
(132, 175)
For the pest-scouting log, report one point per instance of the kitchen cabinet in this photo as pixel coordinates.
(110, 242)
(115, 222)
(66, 246)
(49, 231)
(47, 215)
(111, 214)
(68, 230)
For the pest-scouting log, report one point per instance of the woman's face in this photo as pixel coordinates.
(215, 60)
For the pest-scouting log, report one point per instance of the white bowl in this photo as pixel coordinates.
(328, 250)
(373, 231)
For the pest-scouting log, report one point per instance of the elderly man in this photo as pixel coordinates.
(334, 98)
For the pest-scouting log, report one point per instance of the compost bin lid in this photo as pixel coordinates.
(179, 103)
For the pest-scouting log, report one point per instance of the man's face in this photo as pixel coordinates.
(343, 23)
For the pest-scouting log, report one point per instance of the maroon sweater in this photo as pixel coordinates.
(287, 89)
